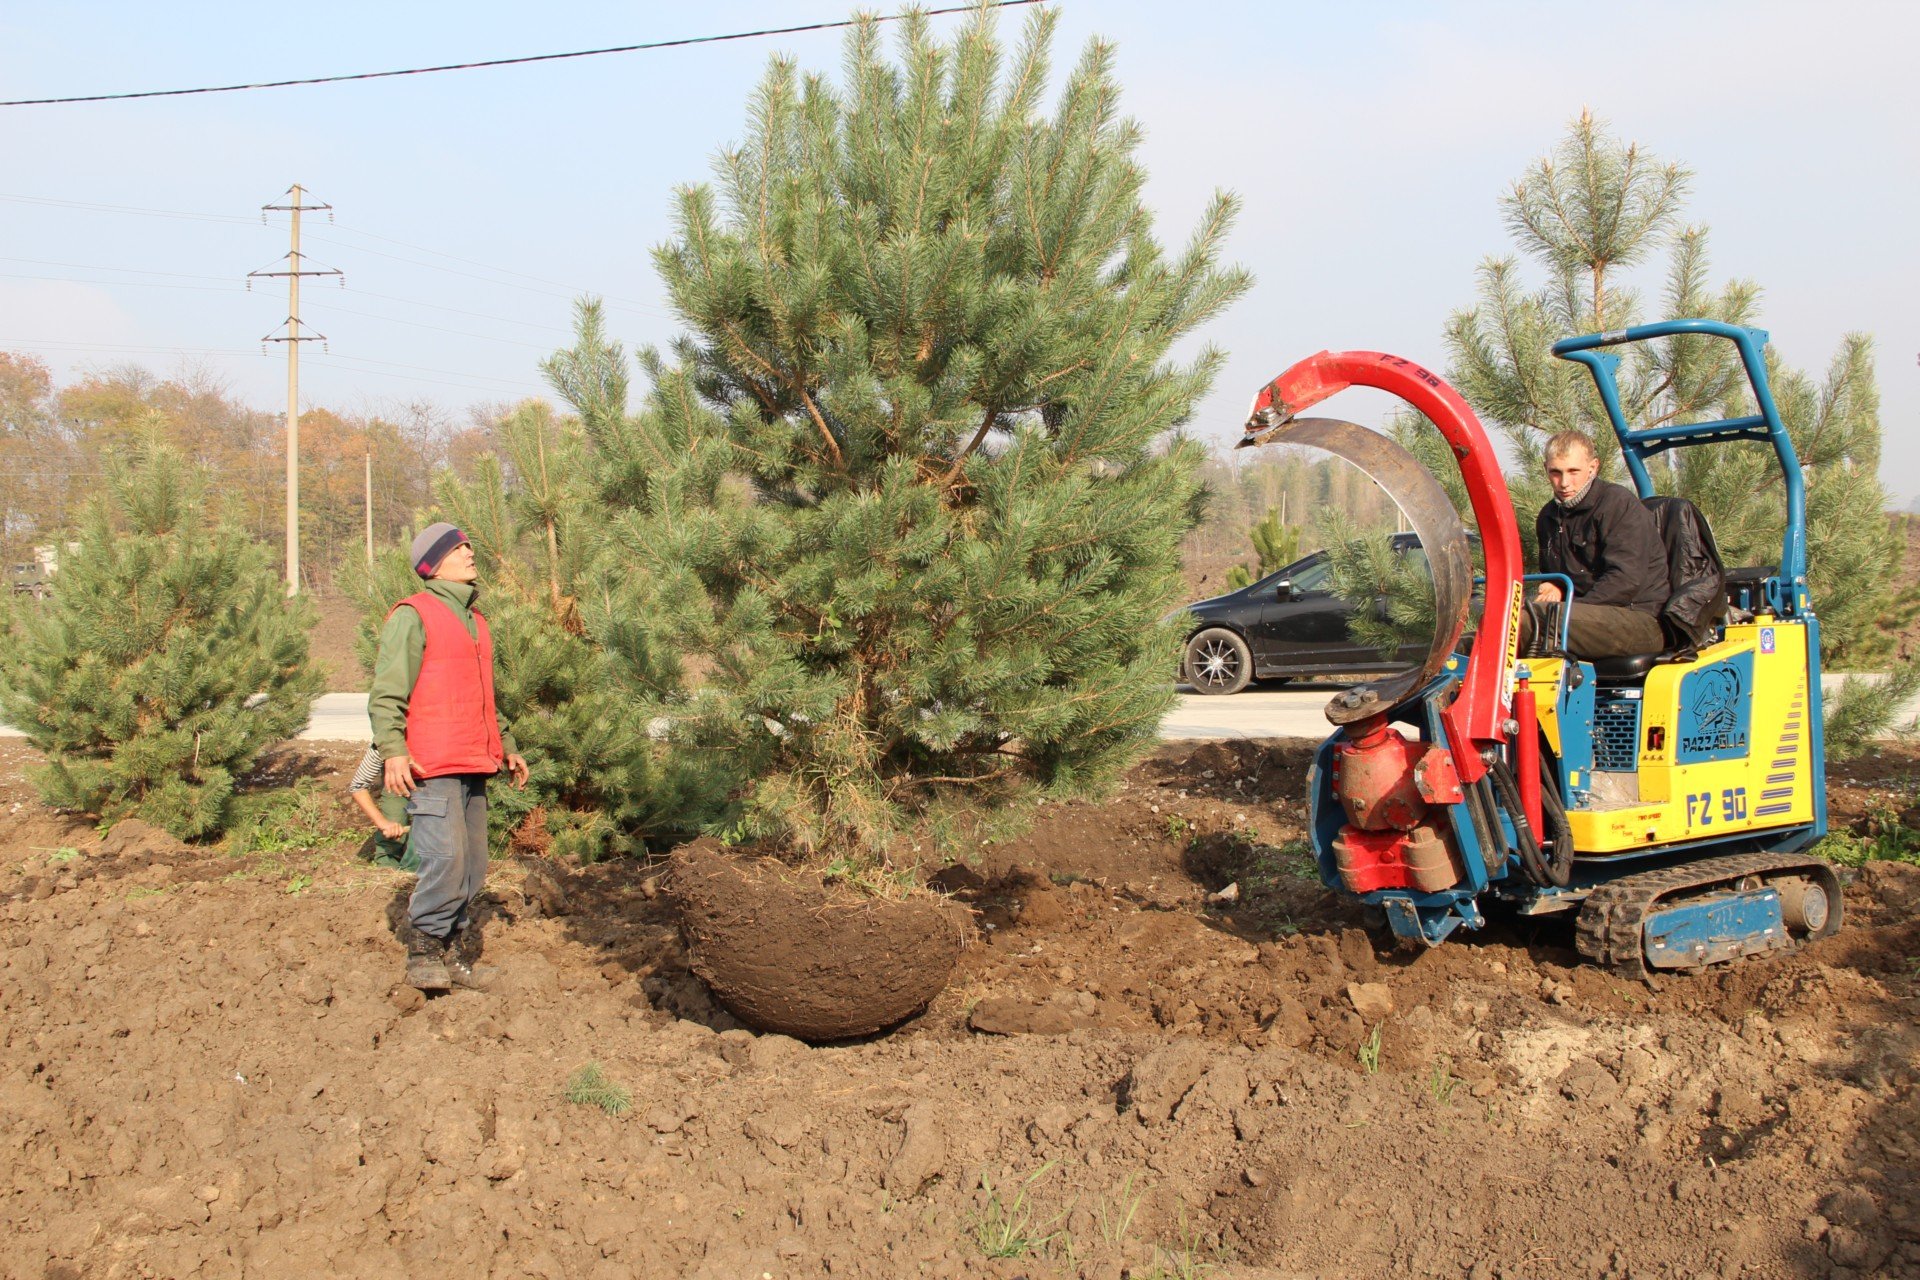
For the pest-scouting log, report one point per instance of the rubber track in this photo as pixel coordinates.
(1608, 930)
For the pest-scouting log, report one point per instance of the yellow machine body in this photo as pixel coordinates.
(1720, 745)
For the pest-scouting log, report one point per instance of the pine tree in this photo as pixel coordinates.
(931, 331)
(166, 661)
(1277, 544)
(1585, 216)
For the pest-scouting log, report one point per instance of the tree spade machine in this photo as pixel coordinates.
(1667, 798)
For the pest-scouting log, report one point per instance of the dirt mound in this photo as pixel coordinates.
(788, 954)
(211, 1070)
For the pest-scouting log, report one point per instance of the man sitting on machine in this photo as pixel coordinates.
(1602, 537)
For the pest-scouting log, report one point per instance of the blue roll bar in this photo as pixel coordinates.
(1637, 446)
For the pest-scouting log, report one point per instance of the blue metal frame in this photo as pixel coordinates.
(1639, 445)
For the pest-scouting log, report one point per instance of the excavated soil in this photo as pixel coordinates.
(1169, 1054)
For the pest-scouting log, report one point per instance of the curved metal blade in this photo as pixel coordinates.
(1442, 536)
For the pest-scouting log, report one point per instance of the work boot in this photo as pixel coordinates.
(462, 950)
(426, 961)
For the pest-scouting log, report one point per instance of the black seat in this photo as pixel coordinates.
(1633, 668)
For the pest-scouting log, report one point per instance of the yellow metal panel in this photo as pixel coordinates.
(1544, 679)
(1772, 786)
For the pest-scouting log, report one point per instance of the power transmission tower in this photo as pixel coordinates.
(293, 337)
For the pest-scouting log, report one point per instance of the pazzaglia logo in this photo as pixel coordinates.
(1716, 712)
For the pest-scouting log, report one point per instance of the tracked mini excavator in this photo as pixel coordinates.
(1668, 799)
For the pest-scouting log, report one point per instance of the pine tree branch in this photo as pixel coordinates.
(986, 425)
(826, 432)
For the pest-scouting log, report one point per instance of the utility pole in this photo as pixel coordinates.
(369, 505)
(293, 338)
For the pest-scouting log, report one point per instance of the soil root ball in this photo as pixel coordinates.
(787, 953)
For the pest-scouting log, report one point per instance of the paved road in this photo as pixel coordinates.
(1292, 712)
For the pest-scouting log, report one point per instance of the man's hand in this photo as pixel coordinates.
(398, 776)
(1547, 592)
(391, 829)
(517, 767)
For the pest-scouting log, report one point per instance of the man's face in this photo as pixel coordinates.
(458, 566)
(1571, 472)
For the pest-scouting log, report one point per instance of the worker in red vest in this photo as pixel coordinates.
(440, 738)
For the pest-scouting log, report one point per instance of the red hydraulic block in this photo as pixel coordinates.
(1526, 749)
(1417, 859)
(1374, 775)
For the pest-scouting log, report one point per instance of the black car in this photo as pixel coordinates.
(1286, 625)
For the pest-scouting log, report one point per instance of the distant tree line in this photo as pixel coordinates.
(56, 444)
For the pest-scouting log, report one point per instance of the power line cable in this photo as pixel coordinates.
(614, 301)
(141, 284)
(505, 271)
(90, 206)
(138, 271)
(419, 324)
(640, 308)
(508, 62)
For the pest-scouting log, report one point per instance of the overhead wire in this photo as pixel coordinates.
(523, 60)
(434, 266)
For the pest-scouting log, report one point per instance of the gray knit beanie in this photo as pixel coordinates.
(432, 546)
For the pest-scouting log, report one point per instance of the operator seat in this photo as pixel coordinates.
(1696, 587)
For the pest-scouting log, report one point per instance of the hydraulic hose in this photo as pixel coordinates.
(1553, 814)
(1530, 851)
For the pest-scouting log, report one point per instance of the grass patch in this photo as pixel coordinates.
(1185, 1258)
(1009, 1227)
(1441, 1083)
(589, 1086)
(1369, 1051)
(282, 820)
(140, 891)
(1113, 1215)
(1881, 837)
(869, 877)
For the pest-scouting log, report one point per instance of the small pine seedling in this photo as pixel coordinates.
(589, 1086)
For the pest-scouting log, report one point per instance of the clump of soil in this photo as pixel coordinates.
(789, 954)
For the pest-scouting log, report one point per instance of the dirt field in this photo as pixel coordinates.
(210, 1070)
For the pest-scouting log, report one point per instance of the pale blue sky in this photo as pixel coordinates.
(1370, 143)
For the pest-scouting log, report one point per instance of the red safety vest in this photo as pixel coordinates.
(452, 726)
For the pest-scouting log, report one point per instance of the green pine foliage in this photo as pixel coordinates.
(1865, 710)
(1393, 592)
(1277, 544)
(913, 494)
(168, 658)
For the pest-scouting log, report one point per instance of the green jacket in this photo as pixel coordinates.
(395, 668)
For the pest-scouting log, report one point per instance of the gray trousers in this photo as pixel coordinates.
(1594, 630)
(449, 818)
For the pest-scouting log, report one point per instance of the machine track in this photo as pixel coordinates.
(1610, 927)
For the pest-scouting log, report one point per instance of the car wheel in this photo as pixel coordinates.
(1217, 661)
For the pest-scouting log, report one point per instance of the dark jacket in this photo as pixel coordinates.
(1609, 545)
(1694, 569)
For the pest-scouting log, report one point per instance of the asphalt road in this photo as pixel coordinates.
(1279, 713)
(1292, 712)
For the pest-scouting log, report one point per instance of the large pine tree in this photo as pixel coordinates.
(911, 496)
(168, 658)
